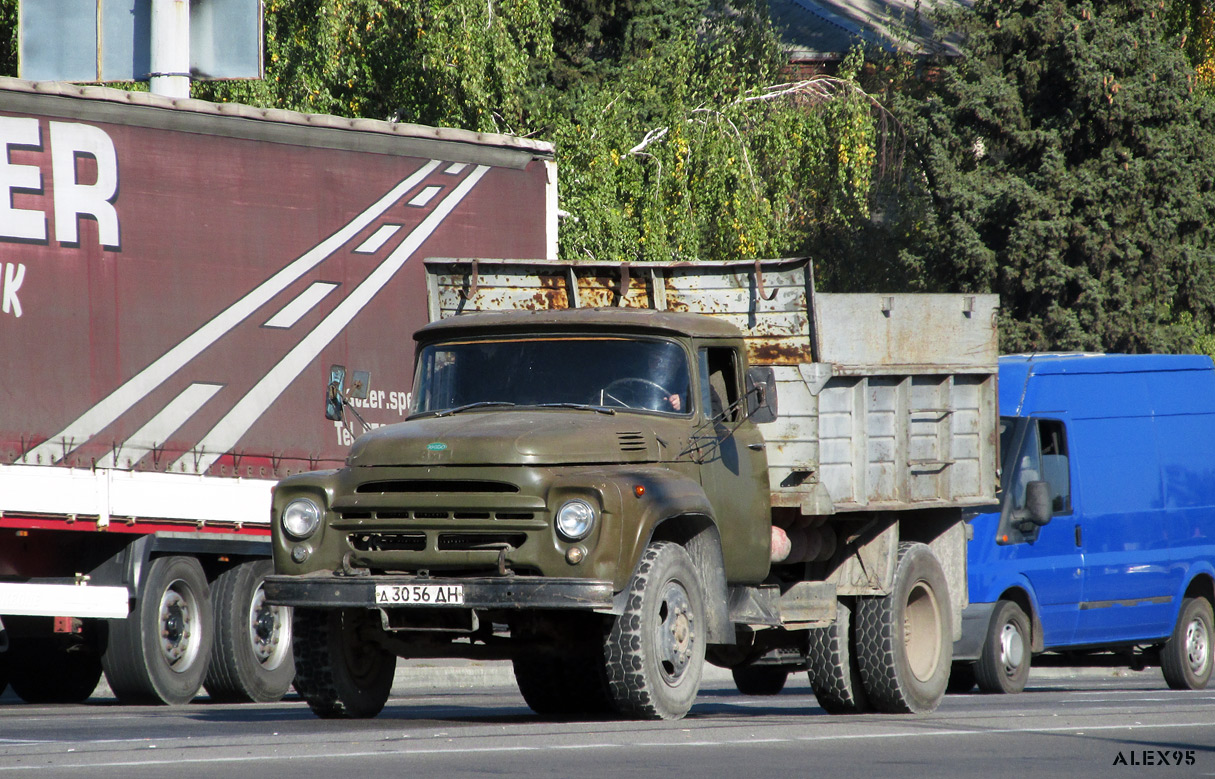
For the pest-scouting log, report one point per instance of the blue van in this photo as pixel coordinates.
(1105, 538)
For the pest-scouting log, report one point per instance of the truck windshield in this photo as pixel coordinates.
(594, 371)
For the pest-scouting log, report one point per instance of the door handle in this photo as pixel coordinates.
(1077, 535)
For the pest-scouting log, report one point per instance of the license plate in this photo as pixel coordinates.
(419, 594)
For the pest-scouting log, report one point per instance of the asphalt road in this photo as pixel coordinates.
(1093, 723)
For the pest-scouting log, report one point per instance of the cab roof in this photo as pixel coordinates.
(632, 320)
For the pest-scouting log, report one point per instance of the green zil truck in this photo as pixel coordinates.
(611, 474)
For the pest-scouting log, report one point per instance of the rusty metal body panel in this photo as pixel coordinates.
(887, 402)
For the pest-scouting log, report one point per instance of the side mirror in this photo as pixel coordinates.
(761, 394)
(335, 404)
(1038, 502)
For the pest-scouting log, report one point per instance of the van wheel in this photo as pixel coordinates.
(339, 669)
(1186, 656)
(835, 676)
(904, 640)
(159, 653)
(1003, 666)
(655, 650)
(760, 679)
(251, 655)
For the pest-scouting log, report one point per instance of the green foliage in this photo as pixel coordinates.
(454, 63)
(8, 37)
(1066, 162)
(686, 154)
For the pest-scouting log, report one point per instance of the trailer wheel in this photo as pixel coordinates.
(655, 650)
(559, 664)
(961, 678)
(339, 669)
(251, 656)
(1003, 665)
(159, 653)
(1186, 656)
(53, 668)
(904, 639)
(835, 675)
(760, 679)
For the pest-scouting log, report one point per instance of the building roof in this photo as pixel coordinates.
(826, 30)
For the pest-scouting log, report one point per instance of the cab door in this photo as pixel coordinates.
(1049, 556)
(733, 464)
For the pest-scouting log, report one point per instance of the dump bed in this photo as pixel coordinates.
(885, 401)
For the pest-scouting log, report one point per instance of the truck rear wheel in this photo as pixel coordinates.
(159, 653)
(655, 650)
(760, 679)
(835, 676)
(1003, 665)
(904, 640)
(1186, 656)
(339, 670)
(251, 655)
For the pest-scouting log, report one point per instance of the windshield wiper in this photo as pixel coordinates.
(585, 406)
(466, 406)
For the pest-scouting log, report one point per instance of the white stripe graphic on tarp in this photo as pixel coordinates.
(224, 436)
(164, 424)
(377, 239)
(93, 421)
(289, 314)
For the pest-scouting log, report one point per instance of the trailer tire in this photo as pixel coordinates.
(53, 669)
(1003, 664)
(159, 653)
(655, 650)
(760, 679)
(559, 664)
(338, 670)
(1186, 656)
(834, 673)
(905, 639)
(251, 659)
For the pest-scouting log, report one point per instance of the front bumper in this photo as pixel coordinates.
(325, 590)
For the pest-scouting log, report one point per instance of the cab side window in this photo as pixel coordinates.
(718, 383)
(1044, 458)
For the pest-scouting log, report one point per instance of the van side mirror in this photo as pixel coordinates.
(335, 404)
(1038, 504)
(761, 394)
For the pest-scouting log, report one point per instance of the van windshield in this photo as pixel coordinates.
(595, 371)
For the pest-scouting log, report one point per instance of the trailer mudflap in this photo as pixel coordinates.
(330, 591)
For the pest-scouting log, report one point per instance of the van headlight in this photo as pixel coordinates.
(301, 518)
(575, 519)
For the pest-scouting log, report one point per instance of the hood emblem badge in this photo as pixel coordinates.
(437, 446)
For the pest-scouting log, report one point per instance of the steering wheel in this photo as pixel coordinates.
(639, 391)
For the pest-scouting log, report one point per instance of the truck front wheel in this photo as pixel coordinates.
(339, 669)
(159, 653)
(1003, 666)
(655, 650)
(904, 640)
(251, 655)
(1186, 657)
(48, 667)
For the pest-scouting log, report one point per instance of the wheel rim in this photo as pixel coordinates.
(269, 631)
(180, 632)
(1012, 649)
(922, 632)
(1197, 646)
(676, 632)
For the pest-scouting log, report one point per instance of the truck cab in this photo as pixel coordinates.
(1102, 546)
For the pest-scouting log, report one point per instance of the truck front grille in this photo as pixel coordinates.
(388, 542)
(433, 514)
(463, 541)
(434, 486)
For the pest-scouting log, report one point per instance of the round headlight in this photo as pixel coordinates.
(301, 517)
(575, 519)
